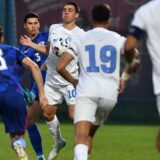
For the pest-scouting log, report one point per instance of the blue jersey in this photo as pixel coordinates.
(38, 57)
(10, 68)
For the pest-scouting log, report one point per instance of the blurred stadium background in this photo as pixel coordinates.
(137, 104)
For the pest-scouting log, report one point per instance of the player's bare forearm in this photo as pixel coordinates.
(129, 50)
(39, 81)
(28, 63)
(67, 76)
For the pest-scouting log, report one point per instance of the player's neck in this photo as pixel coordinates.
(104, 24)
(69, 26)
(33, 36)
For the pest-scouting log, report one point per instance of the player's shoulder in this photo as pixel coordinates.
(79, 29)
(147, 7)
(55, 26)
(102, 32)
(10, 50)
(115, 34)
(44, 34)
(9, 47)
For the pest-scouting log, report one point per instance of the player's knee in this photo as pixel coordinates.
(48, 116)
(49, 112)
(81, 137)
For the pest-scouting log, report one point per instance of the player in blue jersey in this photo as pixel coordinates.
(14, 112)
(32, 25)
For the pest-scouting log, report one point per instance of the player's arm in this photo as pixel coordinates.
(129, 69)
(134, 35)
(28, 63)
(25, 40)
(129, 50)
(64, 60)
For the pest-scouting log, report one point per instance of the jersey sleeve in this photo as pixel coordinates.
(139, 20)
(137, 27)
(73, 48)
(20, 56)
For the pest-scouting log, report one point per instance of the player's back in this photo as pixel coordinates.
(99, 58)
(10, 58)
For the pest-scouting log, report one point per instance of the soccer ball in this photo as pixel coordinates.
(60, 46)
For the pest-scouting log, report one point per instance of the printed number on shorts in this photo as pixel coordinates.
(107, 59)
(72, 93)
(3, 65)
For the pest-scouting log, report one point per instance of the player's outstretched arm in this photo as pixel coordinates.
(25, 40)
(28, 63)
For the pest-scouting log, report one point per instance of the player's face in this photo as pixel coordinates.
(69, 14)
(32, 26)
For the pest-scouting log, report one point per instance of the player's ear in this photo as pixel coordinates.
(109, 21)
(77, 15)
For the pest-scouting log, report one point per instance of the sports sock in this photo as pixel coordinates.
(80, 152)
(35, 138)
(54, 128)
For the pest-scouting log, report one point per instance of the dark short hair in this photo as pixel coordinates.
(1, 31)
(31, 15)
(101, 12)
(77, 8)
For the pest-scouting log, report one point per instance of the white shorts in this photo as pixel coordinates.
(95, 110)
(55, 95)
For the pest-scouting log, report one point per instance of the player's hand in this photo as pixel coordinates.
(25, 40)
(122, 86)
(135, 65)
(43, 102)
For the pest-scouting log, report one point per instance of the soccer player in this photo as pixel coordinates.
(146, 21)
(32, 25)
(97, 89)
(56, 87)
(14, 112)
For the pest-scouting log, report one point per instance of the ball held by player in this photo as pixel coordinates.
(60, 46)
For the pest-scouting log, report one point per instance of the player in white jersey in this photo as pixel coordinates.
(97, 89)
(56, 87)
(146, 20)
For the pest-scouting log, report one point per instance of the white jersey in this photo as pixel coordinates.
(147, 18)
(99, 58)
(53, 77)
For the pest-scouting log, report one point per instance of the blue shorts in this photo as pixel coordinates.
(13, 110)
(34, 88)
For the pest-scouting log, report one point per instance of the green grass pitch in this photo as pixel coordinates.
(112, 142)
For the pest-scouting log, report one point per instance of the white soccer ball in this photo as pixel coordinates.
(60, 46)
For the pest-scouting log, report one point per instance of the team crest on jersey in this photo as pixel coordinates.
(135, 2)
